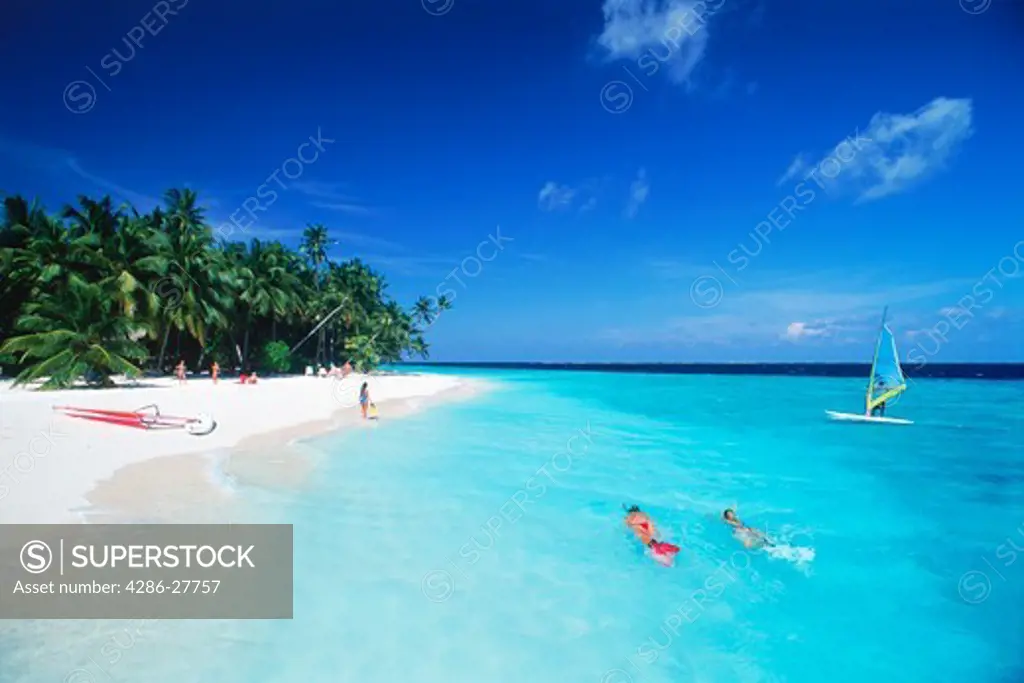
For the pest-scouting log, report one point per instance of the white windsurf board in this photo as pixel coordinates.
(860, 417)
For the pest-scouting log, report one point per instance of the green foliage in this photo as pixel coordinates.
(276, 357)
(101, 290)
(69, 337)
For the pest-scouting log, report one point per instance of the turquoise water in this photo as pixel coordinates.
(483, 541)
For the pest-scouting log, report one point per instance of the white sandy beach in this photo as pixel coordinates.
(49, 463)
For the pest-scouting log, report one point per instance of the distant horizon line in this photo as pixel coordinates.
(743, 362)
(996, 370)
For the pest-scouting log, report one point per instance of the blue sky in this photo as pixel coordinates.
(673, 181)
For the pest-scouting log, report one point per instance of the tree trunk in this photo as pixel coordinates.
(273, 328)
(245, 343)
(238, 350)
(163, 349)
(245, 347)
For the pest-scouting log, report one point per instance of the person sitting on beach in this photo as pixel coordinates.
(750, 537)
(346, 369)
(364, 398)
(642, 526)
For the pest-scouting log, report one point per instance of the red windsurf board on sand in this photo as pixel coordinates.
(147, 417)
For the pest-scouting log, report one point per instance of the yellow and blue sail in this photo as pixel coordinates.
(887, 380)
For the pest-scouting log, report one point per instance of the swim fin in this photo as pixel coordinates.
(665, 548)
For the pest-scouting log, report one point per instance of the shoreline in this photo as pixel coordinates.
(184, 487)
(51, 464)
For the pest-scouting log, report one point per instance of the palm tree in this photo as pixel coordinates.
(50, 255)
(265, 287)
(279, 265)
(77, 333)
(131, 254)
(423, 310)
(315, 242)
(195, 285)
(21, 221)
(314, 245)
(99, 288)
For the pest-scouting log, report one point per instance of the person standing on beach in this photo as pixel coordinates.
(364, 398)
(214, 371)
(181, 371)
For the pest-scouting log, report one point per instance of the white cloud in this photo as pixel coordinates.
(830, 307)
(321, 190)
(420, 265)
(554, 196)
(532, 256)
(797, 167)
(59, 162)
(355, 209)
(655, 32)
(355, 239)
(896, 151)
(674, 269)
(952, 311)
(799, 330)
(638, 193)
(332, 196)
(140, 201)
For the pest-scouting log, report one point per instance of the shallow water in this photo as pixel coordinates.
(483, 541)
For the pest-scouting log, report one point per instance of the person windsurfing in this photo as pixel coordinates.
(879, 410)
(642, 526)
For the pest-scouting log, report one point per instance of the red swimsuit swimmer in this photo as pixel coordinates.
(657, 546)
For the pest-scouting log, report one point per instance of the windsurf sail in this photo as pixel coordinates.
(146, 417)
(887, 380)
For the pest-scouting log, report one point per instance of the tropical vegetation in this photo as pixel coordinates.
(100, 290)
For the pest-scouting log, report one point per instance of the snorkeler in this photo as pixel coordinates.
(751, 538)
(641, 525)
